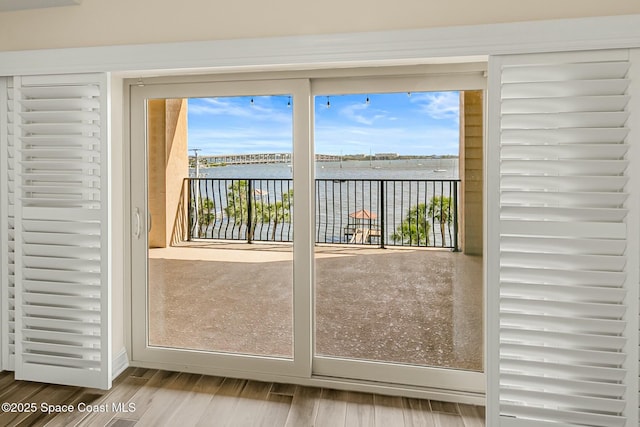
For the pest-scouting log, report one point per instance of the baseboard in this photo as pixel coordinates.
(120, 363)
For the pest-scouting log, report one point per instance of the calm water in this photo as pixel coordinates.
(377, 169)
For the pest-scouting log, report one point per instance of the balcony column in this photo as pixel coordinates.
(168, 166)
(471, 149)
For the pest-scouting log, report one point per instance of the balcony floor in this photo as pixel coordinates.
(411, 306)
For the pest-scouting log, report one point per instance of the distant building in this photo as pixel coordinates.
(386, 155)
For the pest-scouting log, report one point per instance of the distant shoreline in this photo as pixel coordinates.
(210, 160)
(366, 157)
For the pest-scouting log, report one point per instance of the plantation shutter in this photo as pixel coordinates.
(567, 243)
(62, 223)
(7, 185)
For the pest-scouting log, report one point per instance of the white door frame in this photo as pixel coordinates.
(305, 368)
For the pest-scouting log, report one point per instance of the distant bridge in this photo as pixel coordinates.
(259, 158)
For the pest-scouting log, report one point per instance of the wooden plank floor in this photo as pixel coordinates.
(149, 397)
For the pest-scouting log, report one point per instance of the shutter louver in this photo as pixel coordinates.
(7, 192)
(62, 258)
(563, 241)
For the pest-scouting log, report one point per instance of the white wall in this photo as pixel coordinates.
(116, 22)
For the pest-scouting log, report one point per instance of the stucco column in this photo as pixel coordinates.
(168, 159)
(471, 165)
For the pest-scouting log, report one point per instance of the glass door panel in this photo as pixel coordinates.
(220, 193)
(393, 287)
(215, 195)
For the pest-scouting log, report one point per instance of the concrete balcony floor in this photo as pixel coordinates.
(411, 306)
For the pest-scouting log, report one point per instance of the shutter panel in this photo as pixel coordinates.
(564, 269)
(7, 223)
(62, 236)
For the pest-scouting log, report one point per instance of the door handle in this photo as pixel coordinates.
(136, 232)
(149, 222)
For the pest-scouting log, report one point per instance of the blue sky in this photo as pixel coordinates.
(422, 123)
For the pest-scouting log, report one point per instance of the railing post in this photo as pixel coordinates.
(249, 210)
(455, 216)
(189, 209)
(382, 211)
(182, 226)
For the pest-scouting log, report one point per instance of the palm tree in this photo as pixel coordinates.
(206, 214)
(440, 211)
(415, 228)
(278, 212)
(237, 206)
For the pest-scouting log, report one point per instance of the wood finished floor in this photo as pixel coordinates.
(163, 398)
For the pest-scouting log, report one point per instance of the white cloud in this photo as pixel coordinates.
(240, 140)
(439, 105)
(358, 113)
(259, 110)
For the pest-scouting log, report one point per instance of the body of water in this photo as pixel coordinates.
(376, 169)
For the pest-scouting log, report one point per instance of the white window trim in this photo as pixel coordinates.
(400, 47)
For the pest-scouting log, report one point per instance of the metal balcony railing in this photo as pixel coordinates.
(379, 212)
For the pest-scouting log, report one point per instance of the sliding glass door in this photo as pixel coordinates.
(214, 220)
(398, 293)
(310, 229)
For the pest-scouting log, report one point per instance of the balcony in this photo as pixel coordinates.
(406, 305)
(399, 293)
